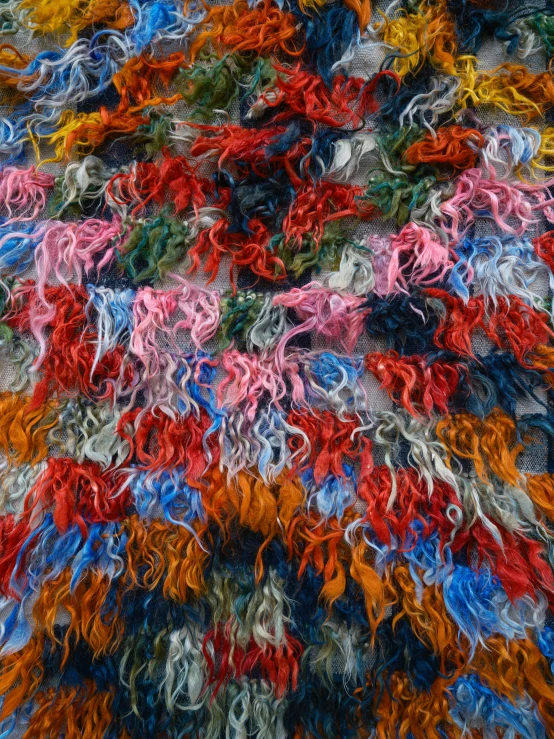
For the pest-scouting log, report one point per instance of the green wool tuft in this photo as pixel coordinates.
(153, 247)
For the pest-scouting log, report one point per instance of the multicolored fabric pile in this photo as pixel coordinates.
(277, 370)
